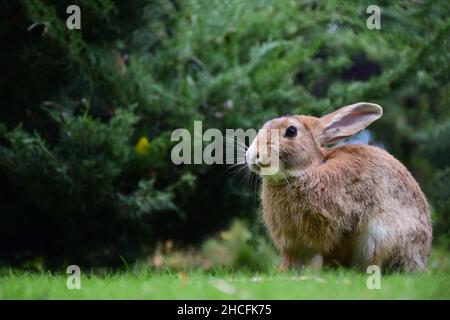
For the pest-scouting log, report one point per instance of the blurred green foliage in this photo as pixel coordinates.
(76, 102)
(238, 248)
(438, 151)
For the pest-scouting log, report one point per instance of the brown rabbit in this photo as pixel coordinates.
(353, 205)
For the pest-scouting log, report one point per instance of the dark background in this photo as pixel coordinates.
(75, 183)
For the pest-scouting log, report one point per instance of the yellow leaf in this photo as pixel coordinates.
(143, 146)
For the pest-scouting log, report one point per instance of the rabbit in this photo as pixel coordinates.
(350, 205)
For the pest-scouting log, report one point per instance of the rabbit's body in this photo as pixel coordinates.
(355, 205)
(366, 227)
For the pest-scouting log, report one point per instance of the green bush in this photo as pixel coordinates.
(438, 150)
(237, 248)
(72, 189)
(87, 115)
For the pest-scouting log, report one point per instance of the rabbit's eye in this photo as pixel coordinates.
(291, 132)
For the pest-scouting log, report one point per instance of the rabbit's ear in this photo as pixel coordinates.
(347, 121)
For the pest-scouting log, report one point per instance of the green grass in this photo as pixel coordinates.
(145, 284)
(339, 285)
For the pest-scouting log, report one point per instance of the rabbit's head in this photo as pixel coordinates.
(287, 145)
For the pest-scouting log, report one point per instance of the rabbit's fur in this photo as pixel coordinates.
(353, 205)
